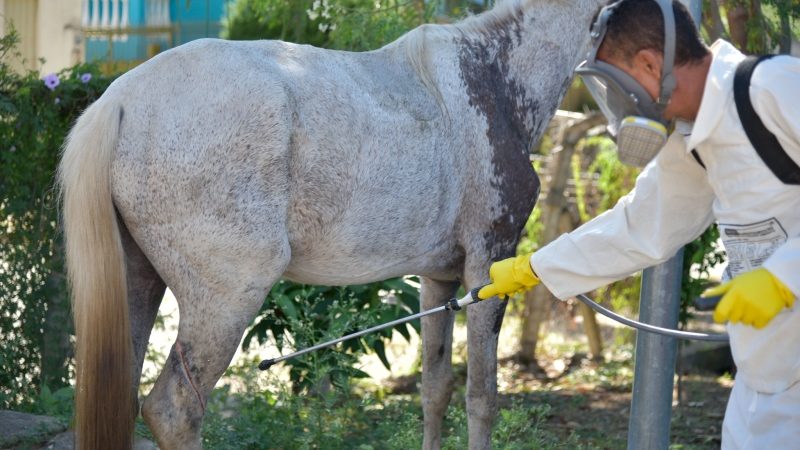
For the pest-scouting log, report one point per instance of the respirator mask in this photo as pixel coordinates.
(635, 121)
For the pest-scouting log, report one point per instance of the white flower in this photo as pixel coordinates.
(323, 27)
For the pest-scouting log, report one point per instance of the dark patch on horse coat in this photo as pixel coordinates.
(511, 116)
(498, 318)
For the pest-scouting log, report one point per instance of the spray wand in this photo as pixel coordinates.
(472, 297)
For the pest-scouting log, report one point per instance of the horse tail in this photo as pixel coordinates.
(104, 397)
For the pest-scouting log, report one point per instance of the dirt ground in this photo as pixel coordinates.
(598, 410)
(591, 399)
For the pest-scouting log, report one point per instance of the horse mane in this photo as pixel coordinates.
(486, 21)
(415, 42)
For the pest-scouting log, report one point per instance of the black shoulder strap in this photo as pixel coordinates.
(697, 158)
(765, 143)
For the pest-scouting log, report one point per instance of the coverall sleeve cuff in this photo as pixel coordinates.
(785, 265)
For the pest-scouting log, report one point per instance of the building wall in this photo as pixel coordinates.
(47, 29)
(21, 15)
(198, 18)
(59, 40)
(156, 25)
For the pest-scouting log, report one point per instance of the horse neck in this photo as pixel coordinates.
(521, 58)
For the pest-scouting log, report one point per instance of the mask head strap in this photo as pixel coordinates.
(667, 78)
(599, 28)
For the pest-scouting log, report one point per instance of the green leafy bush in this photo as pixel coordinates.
(310, 315)
(36, 113)
(354, 25)
(699, 257)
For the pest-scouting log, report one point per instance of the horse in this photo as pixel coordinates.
(217, 168)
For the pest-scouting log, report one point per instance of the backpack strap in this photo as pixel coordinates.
(697, 158)
(765, 143)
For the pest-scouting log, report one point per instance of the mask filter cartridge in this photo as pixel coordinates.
(639, 140)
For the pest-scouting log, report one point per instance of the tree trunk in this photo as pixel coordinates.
(737, 23)
(537, 311)
(786, 29)
(538, 300)
(757, 27)
(713, 22)
(419, 5)
(592, 331)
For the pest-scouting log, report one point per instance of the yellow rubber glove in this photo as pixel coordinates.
(509, 276)
(752, 298)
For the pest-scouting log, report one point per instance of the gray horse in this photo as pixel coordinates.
(217, 168)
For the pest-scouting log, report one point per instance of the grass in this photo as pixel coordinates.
(336, 421)
(574, 403)
(584, 407)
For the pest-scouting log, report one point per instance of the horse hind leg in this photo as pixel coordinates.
(145, 292)
(215, 308)
(437, 350)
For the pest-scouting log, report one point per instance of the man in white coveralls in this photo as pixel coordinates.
(650, 71)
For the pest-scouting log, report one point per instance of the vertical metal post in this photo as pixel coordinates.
(654, 371)
(651, 407)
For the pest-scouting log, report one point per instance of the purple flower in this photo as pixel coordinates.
(51, 81)
(86, 77)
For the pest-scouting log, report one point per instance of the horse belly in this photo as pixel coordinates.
(340, 271)
(376, 247)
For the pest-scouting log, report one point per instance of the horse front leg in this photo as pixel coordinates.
(437, 351)
(483, 327)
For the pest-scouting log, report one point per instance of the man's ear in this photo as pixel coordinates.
(649, 62)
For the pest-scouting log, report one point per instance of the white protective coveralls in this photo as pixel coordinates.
(675, 200)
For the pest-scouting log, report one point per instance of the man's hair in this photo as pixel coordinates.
(639, 24)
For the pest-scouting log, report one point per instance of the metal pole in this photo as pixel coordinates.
(654, 370)
(651, 406)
